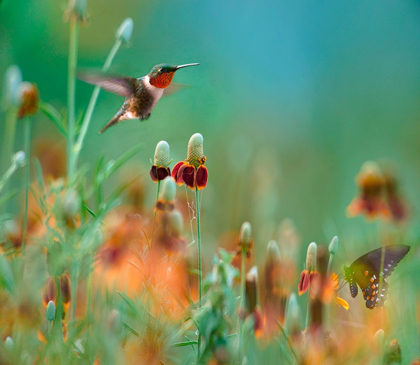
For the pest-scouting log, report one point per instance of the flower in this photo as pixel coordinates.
(192, 171)
(396, 203)
(370, 201)
(245, 241)
(29, 97)
(167, 196)
(309, 275)
(251, 298)
(160, 170)
(330, 291)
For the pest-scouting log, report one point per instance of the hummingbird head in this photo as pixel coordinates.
(161, 75)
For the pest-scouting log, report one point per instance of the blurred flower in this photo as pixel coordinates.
(329, 292)
(125, 30)
(396, 203)
(309, 276)
(192, 171)
(28, 99)
(392, 353)
(77, 8)
(170, 234)
(245, 241)
(332, 248)
(251, 300)
(293, 315)
(8, 343)
(160, 170)
(65, 289)
(370, 200)
(166, 198)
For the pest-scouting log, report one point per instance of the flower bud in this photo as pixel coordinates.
(50, 311)
(370, 176)
(12, 81)
(311, 256)
(125, 30)
(195, 150)
(8, 343)
(28, 99)
(19, 158)
(245, 233)
(78, 8)
(332, 248)
(162, 154)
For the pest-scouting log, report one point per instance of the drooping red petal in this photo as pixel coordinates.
(188, 174)
(202, 177)
(153, 173)
(163, 173)
(304, 282)
(175, 173)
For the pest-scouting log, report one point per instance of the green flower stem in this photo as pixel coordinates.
(27, 147)
(92, 103)
(9, 137)
(7, 175)
(200, 274)
(71, 96)
(154, 215)
(242, 305)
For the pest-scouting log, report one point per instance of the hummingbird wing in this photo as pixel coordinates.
(124, 86)
(174, 88)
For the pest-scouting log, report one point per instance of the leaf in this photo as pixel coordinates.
(6, 275)
(131, 329)
(7, 196)
(89, 210)
(54, 116)
(185, 343)
(129, 302)
(123, 159)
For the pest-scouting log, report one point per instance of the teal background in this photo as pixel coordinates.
(291, 98)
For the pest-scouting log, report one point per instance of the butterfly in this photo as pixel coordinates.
(366, 272)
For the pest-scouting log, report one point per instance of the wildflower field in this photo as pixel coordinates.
(265, 212)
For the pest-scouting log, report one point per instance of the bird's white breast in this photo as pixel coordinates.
(155, 91)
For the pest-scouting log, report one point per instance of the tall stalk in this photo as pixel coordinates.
(200, 274)
(92, 103)
(155, 212)
(71, 96)
(27, 147)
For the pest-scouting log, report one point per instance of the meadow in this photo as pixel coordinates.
(213, 232)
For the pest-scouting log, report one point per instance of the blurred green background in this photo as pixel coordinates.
(291, 98)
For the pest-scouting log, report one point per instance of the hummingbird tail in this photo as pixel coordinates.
(113, 121)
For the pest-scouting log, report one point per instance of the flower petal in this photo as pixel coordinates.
(188, 175)
(163, 173)
(202, 177)
(175, 173)
(153, 173)
(342, 302)
(304, 282)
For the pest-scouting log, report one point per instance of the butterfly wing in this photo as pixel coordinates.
(366, 272)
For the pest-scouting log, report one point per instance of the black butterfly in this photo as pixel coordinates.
(365, 272)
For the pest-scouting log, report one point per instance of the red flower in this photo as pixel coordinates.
(193, 177)
(159, 173)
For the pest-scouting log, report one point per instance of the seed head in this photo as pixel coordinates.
(311, 256)
(332, 248)
(168, 190)
(195, 150)
(176, 223)
(273, 251)
(245, 233)
(125, 30)
(50, 311)
(162, 154)
(292, 314)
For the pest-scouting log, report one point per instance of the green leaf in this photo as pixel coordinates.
(129, 302)
(185, 343)
(131, 329)
(6, 275)
(54, 116)
(89, 210)
(7, 196)
(122, 160)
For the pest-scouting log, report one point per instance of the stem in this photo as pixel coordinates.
(330, 263)
(88, 311)
(154, 215)
(242, 306)
(71, 96)
(27, 146)
(92, 102)
(200, 274)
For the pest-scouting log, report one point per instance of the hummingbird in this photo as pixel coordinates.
(141, 94)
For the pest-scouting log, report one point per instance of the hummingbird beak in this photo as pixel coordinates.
(186, 65)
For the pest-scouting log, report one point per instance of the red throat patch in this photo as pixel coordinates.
(162, 81)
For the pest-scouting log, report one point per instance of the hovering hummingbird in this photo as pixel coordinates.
(141, 95)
